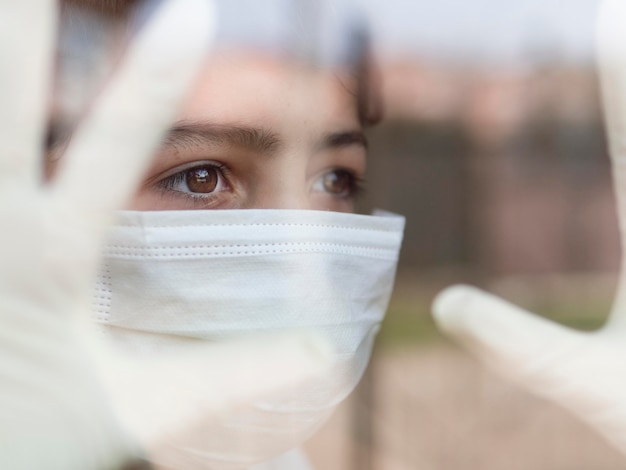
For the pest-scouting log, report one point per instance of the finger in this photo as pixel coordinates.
(611, 54)
(159, 396)
(27, 37)
(111, 148)
(516, 342)
(579, 371)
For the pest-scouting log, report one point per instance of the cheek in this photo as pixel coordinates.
(145, 200)
(325, 202)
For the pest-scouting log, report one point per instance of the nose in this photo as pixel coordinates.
(281, 187)
(281, 196)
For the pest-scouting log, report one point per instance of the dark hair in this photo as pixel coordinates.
(368, 81)
(113, 8)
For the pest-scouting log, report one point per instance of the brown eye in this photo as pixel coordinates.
(203, 182)
(202, 179)
(338, 182)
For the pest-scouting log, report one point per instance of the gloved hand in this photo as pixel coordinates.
(66, 402)
(584, 372)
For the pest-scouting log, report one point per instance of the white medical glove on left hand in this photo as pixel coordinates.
(584, 372)
(67, 402)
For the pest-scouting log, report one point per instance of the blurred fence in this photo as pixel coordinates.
(510, 176)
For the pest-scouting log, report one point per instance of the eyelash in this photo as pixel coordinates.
(356, 183)
(167, 184)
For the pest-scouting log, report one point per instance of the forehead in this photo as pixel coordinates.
(241, 87)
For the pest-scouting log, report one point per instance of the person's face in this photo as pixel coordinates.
(260, 133)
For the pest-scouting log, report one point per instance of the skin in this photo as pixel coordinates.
(260, 132)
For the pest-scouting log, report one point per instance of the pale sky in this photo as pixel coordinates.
(470, 30)
(487, 29)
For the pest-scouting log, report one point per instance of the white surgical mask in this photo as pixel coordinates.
(170, 279)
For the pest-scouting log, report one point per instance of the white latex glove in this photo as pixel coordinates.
(65, 401)
(584, 372)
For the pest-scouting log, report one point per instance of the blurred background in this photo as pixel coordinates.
(494, 150)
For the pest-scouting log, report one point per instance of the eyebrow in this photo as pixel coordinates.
(259, 140)
(345, 139)
(204, 133)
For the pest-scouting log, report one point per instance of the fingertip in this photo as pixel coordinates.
(182, 27)
(451, 304)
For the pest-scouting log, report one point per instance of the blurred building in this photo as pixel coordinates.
(500, 170)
